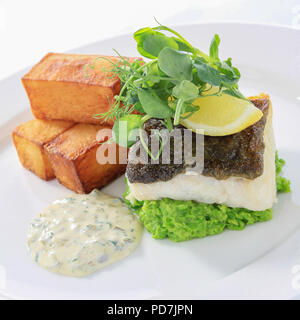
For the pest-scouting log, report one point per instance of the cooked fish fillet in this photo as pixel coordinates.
(239, 155)
(254, 194)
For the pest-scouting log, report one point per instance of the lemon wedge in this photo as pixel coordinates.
(222, 115)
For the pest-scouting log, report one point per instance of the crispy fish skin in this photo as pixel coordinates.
(254, 194)
(236, 155)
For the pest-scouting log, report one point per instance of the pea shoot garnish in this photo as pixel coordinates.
(166, 85)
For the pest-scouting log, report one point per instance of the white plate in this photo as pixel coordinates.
(269, 60)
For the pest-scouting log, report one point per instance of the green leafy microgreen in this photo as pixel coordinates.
(156, 134)
(214, 48)
(150, 42)
(123, 129)
(175, 64)
(208, 74)
(168, 124)
(165, 86)
(153, 105)
(186, 91)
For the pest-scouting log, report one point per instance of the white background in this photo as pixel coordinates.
(31, 28)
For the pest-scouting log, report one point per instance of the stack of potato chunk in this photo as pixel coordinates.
(62, 141)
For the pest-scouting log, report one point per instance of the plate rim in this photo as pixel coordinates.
(124, 34)
(200, 23)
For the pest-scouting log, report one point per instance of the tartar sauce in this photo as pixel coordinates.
(81, 234)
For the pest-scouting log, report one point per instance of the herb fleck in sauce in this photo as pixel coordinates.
(81, 234)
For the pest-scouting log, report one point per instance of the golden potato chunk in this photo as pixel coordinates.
(73, 158)
(29, 139)
(61, 87)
